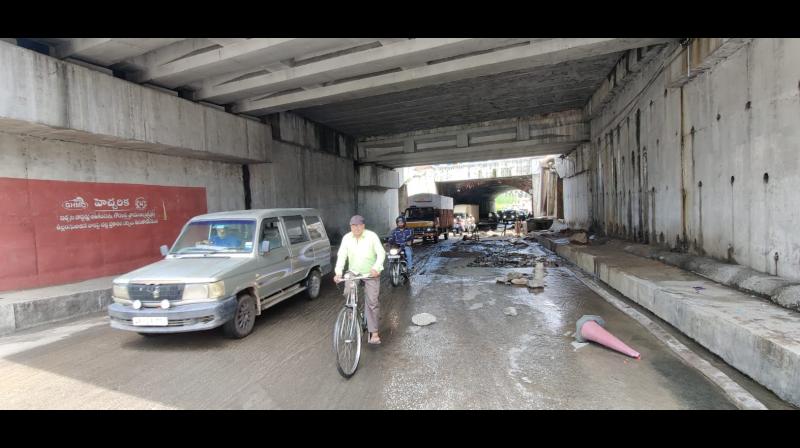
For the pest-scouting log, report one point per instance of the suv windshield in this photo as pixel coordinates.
(228, 236)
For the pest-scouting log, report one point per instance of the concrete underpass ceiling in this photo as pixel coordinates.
(363, 86)
(517, 93)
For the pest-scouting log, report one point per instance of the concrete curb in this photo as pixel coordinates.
(755, 336)
(783, 292)
(27, 309)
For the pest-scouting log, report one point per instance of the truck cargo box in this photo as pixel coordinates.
(431, 200)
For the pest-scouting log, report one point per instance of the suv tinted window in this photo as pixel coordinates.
(270, 231)
(315, 227)
(295, 229)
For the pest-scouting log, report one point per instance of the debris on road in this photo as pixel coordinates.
(538, 277)
(423, 319)
(579, 345)
(476, 306)
(590, 328)
(559, 226)
(579, 238)
(510, 311)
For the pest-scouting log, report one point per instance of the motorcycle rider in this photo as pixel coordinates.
(403, 237)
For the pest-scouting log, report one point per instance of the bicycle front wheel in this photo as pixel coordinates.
(347, 342)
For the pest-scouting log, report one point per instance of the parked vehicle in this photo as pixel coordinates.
(224, 270)
(489, 222)
(429, 216)
(508, 215)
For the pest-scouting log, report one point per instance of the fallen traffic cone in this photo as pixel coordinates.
(590, 328)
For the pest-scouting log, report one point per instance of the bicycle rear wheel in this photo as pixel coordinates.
(347, 342)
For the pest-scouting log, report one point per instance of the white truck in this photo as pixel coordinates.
(429, 215)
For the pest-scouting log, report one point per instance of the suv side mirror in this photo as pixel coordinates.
(164, 250)
(264, 247)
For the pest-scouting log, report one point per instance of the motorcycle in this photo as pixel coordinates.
(398, 267)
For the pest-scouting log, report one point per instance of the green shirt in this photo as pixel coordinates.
(362, 254)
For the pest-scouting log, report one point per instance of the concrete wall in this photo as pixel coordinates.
(300, 177)
(44, 96)
(29, 157)
(727, 137)
(313, 166)
(379, 207)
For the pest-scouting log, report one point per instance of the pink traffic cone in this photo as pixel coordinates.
(590, 328)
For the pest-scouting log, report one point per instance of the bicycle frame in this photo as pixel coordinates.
(359, 319)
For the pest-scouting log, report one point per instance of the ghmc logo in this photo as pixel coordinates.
(73, 204)
(141, 203)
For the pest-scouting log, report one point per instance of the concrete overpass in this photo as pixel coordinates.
(262, 113)
(506, 96)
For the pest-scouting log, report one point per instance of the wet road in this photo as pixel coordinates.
(474, 357)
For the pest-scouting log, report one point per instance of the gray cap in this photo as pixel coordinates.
(357, 219)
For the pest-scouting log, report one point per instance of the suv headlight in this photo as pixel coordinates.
(121, 291)
(200, 291)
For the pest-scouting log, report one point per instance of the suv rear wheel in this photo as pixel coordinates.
(313, 284)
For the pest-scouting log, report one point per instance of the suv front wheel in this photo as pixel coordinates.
(243, 319)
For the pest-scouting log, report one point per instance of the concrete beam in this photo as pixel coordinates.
(540, 53)
(251, 53)
(74, 46)
(225, 41)
(622, 73)
(108, 51)
(377, 177)
(49, 98)
(499, 139)
(494, 152)
(390, 56)
(700, 56)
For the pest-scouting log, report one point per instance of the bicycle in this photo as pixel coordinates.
(346, 333)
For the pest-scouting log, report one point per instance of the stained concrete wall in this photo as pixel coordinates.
(313, 166)
(577, 194)
(29, 157)
(301, 177)
(379, 207)
(727, 138)
(43, 96)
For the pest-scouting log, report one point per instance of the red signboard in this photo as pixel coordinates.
(54, 232)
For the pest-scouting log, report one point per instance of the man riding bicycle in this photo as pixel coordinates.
(364, 254)
(403, 237)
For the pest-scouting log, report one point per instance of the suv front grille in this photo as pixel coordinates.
(155, 293)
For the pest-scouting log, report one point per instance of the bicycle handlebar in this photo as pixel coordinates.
(352, 278)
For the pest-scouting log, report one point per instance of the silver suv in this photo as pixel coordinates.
(224, 270)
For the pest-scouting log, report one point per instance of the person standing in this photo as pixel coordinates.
(364, 254)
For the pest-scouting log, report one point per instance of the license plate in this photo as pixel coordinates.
(394, 256)
(150, 321)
